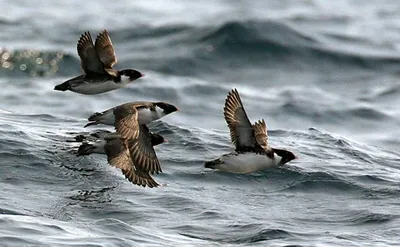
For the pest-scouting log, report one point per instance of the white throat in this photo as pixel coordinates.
(146, 115)
(125, 79)
(159, 112)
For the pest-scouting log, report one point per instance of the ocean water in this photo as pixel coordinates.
(323, 74)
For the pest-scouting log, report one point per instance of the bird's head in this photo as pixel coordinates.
(131, 73)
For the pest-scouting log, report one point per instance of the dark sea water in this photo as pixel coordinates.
(323, 74)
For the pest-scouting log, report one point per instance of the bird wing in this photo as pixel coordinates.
(106, 53)
(142, 152)
(118, 155)
(126, 121)
(90, 61)
(241, 130)
(105, 49)
(261, 134)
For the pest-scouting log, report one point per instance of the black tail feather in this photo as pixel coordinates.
(62, 87)
(213, 163)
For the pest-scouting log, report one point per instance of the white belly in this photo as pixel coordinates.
(96, 87)
(145, 116)
(247, 162)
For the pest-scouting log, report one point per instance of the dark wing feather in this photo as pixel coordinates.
(241, 130)
(126, 121)
(142, 152)
(90, 61)
(118, 156)
(260, 132)
(140, 178)
(105, 49)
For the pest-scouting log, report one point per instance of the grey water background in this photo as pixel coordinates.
(323, 74)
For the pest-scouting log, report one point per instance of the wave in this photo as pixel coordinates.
(331, 110)
(238, 234)
(271, 39)
(35, 155)
(184, 49)
(254, 37)
(362, 217)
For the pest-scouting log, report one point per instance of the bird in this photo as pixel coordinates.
(147, 112)
(252, 150)
(97, 64)
(135, 157)
(131, 146)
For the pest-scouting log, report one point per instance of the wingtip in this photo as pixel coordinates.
(83, 40)
(102, 33)
(232, 100)
(261, 122)
(85, 34)
(234, 91)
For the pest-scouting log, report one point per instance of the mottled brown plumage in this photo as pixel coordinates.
(106, 53)
(242, 132)
(135, 155)
(126, 121)
(118, 155)
(99, 58)
(90, 61)
(142, 152)
(260, 132)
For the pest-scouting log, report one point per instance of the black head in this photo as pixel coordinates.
(168, 108)
(156, 139)
(286, 156)
(132, 73)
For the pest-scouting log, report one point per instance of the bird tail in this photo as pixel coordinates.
(63, 86)
(213, 164)
(85, 149)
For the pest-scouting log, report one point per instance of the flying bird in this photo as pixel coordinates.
(252, 150)
(136, 157)
(147, 112)
(97, 63)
